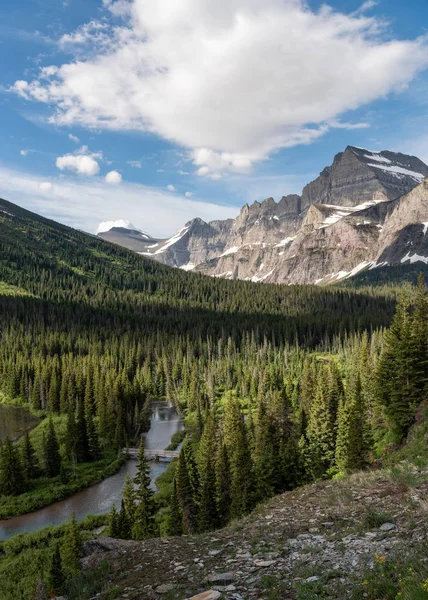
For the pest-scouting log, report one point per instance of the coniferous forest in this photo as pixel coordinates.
(279, 386)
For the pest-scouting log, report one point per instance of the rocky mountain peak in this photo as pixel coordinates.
(366, 208)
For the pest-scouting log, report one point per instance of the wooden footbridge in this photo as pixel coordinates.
(165, 455)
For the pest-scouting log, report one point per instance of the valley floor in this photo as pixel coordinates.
(318, 541)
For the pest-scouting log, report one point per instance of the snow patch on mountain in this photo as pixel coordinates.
(107, 225)
(398, 171)
(414, 258)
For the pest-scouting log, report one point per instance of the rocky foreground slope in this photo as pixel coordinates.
(315, 542)
(367, 209)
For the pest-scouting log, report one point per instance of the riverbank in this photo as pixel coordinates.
(46, 491)
(43, 491)
(93, 488)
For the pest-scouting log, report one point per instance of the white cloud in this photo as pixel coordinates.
(188, 194)
(171, 188)
(107, 225)
(79, 163)
(247, 77)
(134, 163)
(24, 152)
(74, 138)
(46, 186)
(113, 177)
(84, 203)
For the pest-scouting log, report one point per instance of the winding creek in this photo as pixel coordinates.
(99, 498)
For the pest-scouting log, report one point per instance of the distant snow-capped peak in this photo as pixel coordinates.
(107, 225)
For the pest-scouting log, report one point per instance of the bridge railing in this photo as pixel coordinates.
(156, 454)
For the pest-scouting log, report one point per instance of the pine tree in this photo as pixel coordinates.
(82, 443)
(30, 464)
(175, 517)
(208, 517)
(266, 454)
(124, 525)
(399, 380)
(71, 437)
(12, 480)
(71, 547)
(189, 507)
(242, 474)
(223, 493)
(129, 499)
(52, 457)
(113, 529)
(350, 446)
(143, 525)
(56, 574)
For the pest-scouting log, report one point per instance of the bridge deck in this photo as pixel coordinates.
(152, 454)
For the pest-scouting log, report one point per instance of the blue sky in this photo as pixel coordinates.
(157, 111)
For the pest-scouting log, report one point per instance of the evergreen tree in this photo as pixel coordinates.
(350, 446)
(71, 547)
(52, 457)
(129, 499)
(113, 528)
(11, 474)
(175, 517)
(143, 525)
(30, 464)
(208, 517)
(223, 493)
(56, 575)
(189, 507)
(124, 525)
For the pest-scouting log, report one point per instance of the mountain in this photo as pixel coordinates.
(366, 209)
(128, 237)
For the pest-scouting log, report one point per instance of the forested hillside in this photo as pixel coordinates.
(279, 385)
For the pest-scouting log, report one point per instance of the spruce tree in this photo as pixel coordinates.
(113, 529)
(71, 547)
(30, 464)
(143, 526)
(208, 517)
(129, 498)
(52, 457)
(56, 574)
(175, 517)
(124, 525)
(12, 480)
(223, 493)
(189, 507)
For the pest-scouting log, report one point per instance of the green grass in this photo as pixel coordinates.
(374, 519)
(6, 289)
(27, 558)
(397, 578)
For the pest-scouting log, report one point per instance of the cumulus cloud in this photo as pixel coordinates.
(84, 203)
(188, 194)
(79, 163)
(247, 77)
(113, 177)
(73, 138)
(24, 152)
(46, 186)
(134, 163)
(171, 188)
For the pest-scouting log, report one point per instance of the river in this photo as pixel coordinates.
(99, 498)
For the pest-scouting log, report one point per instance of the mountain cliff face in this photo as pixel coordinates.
(366, 209)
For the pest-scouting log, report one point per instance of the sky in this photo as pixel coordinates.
(159, 111)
